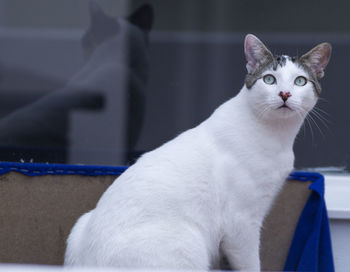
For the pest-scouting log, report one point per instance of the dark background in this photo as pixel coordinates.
(196, 63)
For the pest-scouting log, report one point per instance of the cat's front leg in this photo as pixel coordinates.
(241, 247)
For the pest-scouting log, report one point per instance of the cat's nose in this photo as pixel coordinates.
(285, 95)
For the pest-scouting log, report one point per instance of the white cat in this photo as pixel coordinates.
(207, 191)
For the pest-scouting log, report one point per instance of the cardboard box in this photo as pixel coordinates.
(37, 213)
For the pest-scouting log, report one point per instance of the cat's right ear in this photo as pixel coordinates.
(256, 53)
(142, 17)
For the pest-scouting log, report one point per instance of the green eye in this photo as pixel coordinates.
(300, 81)
(269, 79)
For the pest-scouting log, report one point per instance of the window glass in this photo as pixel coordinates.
(102, 82)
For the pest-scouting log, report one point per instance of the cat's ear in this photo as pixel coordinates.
(97, 15)
(256, 53)
(317, 59)
(100, 22)
(142, 17)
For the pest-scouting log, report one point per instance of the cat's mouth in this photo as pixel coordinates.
(284, 106)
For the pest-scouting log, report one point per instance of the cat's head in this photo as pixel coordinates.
(122, 40)
(283, 86)
(104, 27)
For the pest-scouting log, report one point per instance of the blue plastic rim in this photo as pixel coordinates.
(40, 169)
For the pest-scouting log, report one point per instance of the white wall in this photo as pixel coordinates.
(338, 206)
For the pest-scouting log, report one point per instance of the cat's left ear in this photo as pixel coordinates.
(317, 59)
(97, 16)
(142, 17)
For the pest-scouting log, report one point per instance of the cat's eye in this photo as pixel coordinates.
(300, 81)
(269, 79)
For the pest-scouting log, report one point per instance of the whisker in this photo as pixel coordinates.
(323, 99)
(265, 107)
(311, 129)
(320, 115)
(302, 120)
(322, 122)
(323, 119)
(314, 121)
(321, 110)
(316, 114)
(263, 111)
(307, 120)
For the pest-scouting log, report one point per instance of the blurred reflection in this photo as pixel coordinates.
(58, 126)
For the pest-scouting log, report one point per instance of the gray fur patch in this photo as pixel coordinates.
(251, 78)
(312, 78)
(280, 61)
(272, 62)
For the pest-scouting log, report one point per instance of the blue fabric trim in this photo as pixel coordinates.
(39, 169)
(311, 248)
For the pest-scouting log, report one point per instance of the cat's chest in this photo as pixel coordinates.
(249, 184)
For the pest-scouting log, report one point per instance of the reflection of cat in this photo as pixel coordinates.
(121, 46)
(111, 45)
(208, 190)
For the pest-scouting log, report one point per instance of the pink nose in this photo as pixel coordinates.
(285, 95)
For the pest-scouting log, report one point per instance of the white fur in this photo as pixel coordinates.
(204, 192)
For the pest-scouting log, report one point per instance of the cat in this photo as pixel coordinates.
(42, 128)
(117, 50)
(205, 193)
